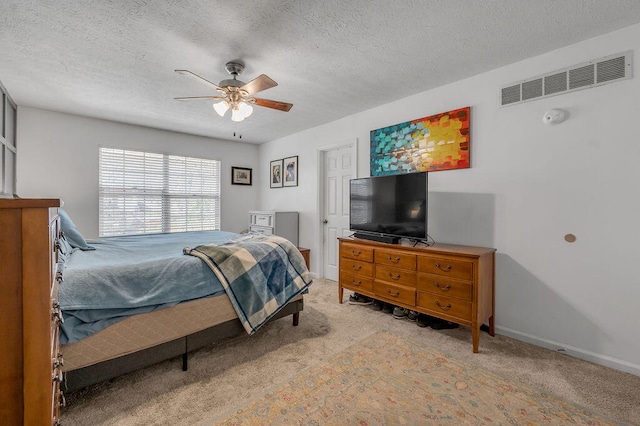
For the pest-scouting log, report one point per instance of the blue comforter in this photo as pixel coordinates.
(130, 275)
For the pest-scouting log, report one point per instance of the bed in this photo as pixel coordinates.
(130, 302)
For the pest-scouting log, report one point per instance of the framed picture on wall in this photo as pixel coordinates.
(275, 175)
(240, 176)
(290, 171)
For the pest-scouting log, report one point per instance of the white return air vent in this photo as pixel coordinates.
(582, 76)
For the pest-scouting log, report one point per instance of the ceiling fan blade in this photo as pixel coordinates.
(191, 98)
(258, 84)
(282, 106)
(198, 78)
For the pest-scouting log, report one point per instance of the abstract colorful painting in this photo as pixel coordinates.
(438, 142)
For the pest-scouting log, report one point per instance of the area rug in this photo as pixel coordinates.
(389, 380)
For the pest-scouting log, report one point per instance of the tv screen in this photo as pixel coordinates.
(393, 205)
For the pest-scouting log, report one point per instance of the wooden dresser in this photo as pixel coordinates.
(30, 373)
(306, 255)
(455, 283)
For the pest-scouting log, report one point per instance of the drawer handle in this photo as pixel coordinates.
(396, 294)
(57, 377)
(63, 400)
(56, 315)
(392, 260)
(59, 278)
(58, 361)
(447, 306)
(394, 277)
(354, 282)
(356, 268)
(353, 252)
(445, 269)
(444, 288)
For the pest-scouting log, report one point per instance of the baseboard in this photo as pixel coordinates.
(583, 354)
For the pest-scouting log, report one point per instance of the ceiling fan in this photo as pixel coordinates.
(236, 95)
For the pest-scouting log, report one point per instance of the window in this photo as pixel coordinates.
(145, 192)
(8, 150)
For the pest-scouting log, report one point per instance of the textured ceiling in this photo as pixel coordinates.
(116, 59)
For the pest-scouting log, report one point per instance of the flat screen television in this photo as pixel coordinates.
(387, 208)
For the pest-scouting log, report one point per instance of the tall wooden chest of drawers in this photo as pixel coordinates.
(451, 282)
(30, 373)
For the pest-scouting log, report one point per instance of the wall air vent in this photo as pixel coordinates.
(582, 76)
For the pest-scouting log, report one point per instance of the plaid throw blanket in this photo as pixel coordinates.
(260, 274)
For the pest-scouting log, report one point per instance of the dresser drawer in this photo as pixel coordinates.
(56, 312)
(264, 220)
(57, 402)
(356, 267)
(56, 355)
(442, 286)
(396, 293)
(56, 358)
(354, 251)
(56, 318)
(396, 275)
(54, 237)
(261, 230)
(445, 305)
(57, 398)
(356, 282)
(56, 279)
(396, 258)
(452, 268)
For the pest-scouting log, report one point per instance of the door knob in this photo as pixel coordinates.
(325, 221)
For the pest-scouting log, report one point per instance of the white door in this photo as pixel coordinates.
(339, 168)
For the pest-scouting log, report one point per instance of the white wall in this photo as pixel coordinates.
(58, 158)
(529, 185)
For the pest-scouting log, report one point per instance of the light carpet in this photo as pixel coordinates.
(386, 380)
(231, 373)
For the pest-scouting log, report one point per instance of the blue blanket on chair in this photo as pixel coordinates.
(260, 274)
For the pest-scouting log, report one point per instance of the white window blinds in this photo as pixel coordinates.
(145, 192)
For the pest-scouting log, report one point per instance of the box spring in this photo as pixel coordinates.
(142, 340)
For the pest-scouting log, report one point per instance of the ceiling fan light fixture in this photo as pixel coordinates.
(221, 108)
(236, 95)
(245, 109)
(236, 115)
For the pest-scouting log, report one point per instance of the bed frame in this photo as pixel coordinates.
(109, 369)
